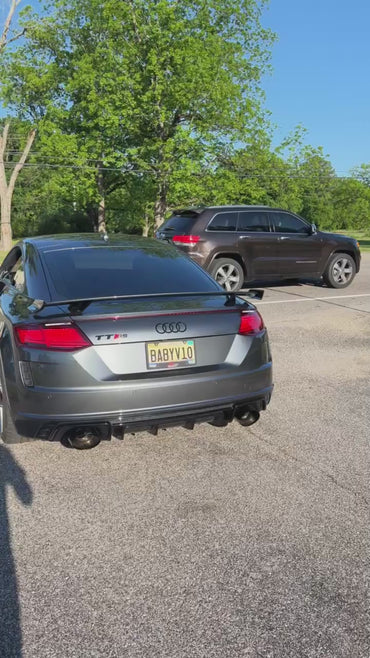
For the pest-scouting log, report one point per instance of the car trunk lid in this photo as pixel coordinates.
(157, 339)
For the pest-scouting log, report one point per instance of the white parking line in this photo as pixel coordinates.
(312, 299)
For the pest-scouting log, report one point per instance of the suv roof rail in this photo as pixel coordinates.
(196, 210)
(191, 210)
(243, 205)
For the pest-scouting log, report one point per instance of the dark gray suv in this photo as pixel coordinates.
(248, 243)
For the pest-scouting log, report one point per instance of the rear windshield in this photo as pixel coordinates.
(179, 223)
(106, 271)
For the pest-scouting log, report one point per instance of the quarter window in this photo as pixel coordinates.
(253, 221)
(285, 223)
(18, 275)
(12, 270)
(223, 221)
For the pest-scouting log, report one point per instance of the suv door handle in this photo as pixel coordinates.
(283, 237)
(244, 237)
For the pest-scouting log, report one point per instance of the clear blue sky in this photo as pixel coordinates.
(321, 75)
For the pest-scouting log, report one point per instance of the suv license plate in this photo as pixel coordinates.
(170, 354)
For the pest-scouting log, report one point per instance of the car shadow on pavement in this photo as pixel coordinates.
(11, 476)
(286, 283)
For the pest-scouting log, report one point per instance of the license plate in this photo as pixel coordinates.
(170, 354)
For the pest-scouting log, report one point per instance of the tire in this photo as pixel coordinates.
(340, 271)
(228, 273)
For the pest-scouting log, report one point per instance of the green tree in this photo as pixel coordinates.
(316, 177)
(10, 166)
(362, 174)
(141, 85)
(258, 175)
(351, 204)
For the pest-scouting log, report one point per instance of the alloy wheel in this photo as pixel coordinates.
(342, 270)
(228, 277)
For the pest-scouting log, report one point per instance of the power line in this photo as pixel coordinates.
(58, 164)
(48, 165)
(122, 170)
(34, 153)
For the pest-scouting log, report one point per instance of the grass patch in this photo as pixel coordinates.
(363, 238)
(5, 253)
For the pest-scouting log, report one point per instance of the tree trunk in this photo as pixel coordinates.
(160, 205)
(6, 228)
(92, 214)
(7, 189)
(101, 208)
(101, 216)
(146, 225)
(4, 39)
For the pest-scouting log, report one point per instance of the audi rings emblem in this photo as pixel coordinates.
(170, 327)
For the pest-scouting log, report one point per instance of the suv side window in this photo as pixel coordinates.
(286, 223)
(223, 221)
(253, 221)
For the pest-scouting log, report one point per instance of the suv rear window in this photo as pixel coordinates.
(105, 271)
(179, 223)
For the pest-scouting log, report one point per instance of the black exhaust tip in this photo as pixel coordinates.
(247, 417)
(82, 438)
(219, 421)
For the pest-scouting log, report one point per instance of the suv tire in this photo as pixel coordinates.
(340, 271)
(228, 273)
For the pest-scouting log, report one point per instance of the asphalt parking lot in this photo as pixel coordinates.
(226, 542)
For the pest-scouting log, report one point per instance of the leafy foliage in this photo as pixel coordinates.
(146, 105)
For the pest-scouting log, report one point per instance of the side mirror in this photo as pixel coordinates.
(313, 229)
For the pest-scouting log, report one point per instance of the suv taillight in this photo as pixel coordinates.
(250, 323)
(190, 240)
(64, 337)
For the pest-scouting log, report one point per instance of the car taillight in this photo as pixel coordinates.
(190, 240)
(250, 323)
(58, 337)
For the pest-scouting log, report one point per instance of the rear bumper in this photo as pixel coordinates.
(53, 429)
(125, 408)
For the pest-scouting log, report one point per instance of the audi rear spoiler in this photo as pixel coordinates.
(39, 304)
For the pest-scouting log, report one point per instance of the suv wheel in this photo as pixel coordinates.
(340, 271)
(228, 273)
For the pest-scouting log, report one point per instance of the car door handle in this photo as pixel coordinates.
(283, 237)
(244, 237)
